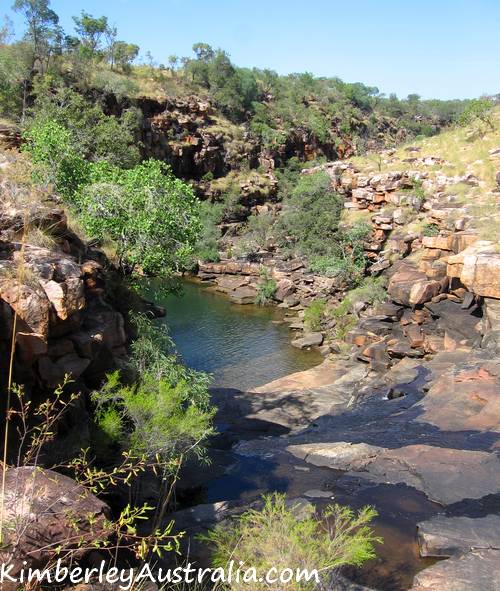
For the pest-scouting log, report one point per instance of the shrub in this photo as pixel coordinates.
(166, 413)
(59, 162)
(313, 315)
(152, 216)
(266, 288)
(310, 216)
(430, 230)
(275, 536)
(207, 244)
(346, 258)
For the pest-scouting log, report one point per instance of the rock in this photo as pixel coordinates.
(464, 400)
(285, 288)
(438, 472)
(338, 456)
(243, 295)
(50, 510)
(409, 286)
(478, 571)
(312, 339)
(32, 307)
(228, 283)
(442, 537)
(415, 335)
(478, 268)
(53, 372)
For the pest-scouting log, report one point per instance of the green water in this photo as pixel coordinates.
(241, 346)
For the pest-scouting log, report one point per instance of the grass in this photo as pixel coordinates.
(313, 315)
(465, 150)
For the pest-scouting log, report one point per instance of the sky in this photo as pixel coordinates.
(435, 48)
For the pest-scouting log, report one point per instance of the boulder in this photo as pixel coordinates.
(442, 537)
(66, 297)
(243, 295)
(312, 339)
(48, 510)
(478, 268)
(31, 306)
(409, 286)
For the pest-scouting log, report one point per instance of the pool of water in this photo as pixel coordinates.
(241, 346)
(244, 347)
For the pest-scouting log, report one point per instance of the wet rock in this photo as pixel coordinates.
(338, 456)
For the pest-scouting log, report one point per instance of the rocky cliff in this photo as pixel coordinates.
(53, 293)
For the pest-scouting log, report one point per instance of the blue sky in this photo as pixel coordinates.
(439, 48)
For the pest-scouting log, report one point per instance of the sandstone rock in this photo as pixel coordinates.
(478, 268)
(284, 289)
(227, 283)
(48, 510)
(66, 297)
(312, 339)
(31, 306)
(442, 537)
(475, 570)
(243, 295)
(339, 456)
(409, 286)
(53, 372)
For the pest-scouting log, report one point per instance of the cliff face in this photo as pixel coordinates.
(52, 288)
(193, 136)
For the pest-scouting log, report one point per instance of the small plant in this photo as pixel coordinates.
(284, 536)
(313, 315)
(266, 288)
(430, 230)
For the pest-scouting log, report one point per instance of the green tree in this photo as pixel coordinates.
(124, 54)
(477, 110)
(152, 216)
(91, 31)
(42, 29)
(15, 79)
(310, 215)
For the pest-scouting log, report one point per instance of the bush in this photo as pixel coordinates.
(266, 288)
(275, 536)
(59, 162)
(207, 244)
(92, 135)
(313, 315)
(346, 258)
(310, 216)
(167, 412)
(152, 216)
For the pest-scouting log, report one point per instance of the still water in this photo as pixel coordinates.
(241, 346)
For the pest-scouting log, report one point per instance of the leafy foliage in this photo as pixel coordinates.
(151, 215)
(313, 314)
(166, 413)
(275, 536)
(310, 215)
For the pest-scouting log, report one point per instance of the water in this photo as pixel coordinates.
(245, 347)
(241, 346)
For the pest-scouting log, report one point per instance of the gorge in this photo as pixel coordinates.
(244, 314)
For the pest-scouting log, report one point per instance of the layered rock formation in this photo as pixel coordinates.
(55, 298)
